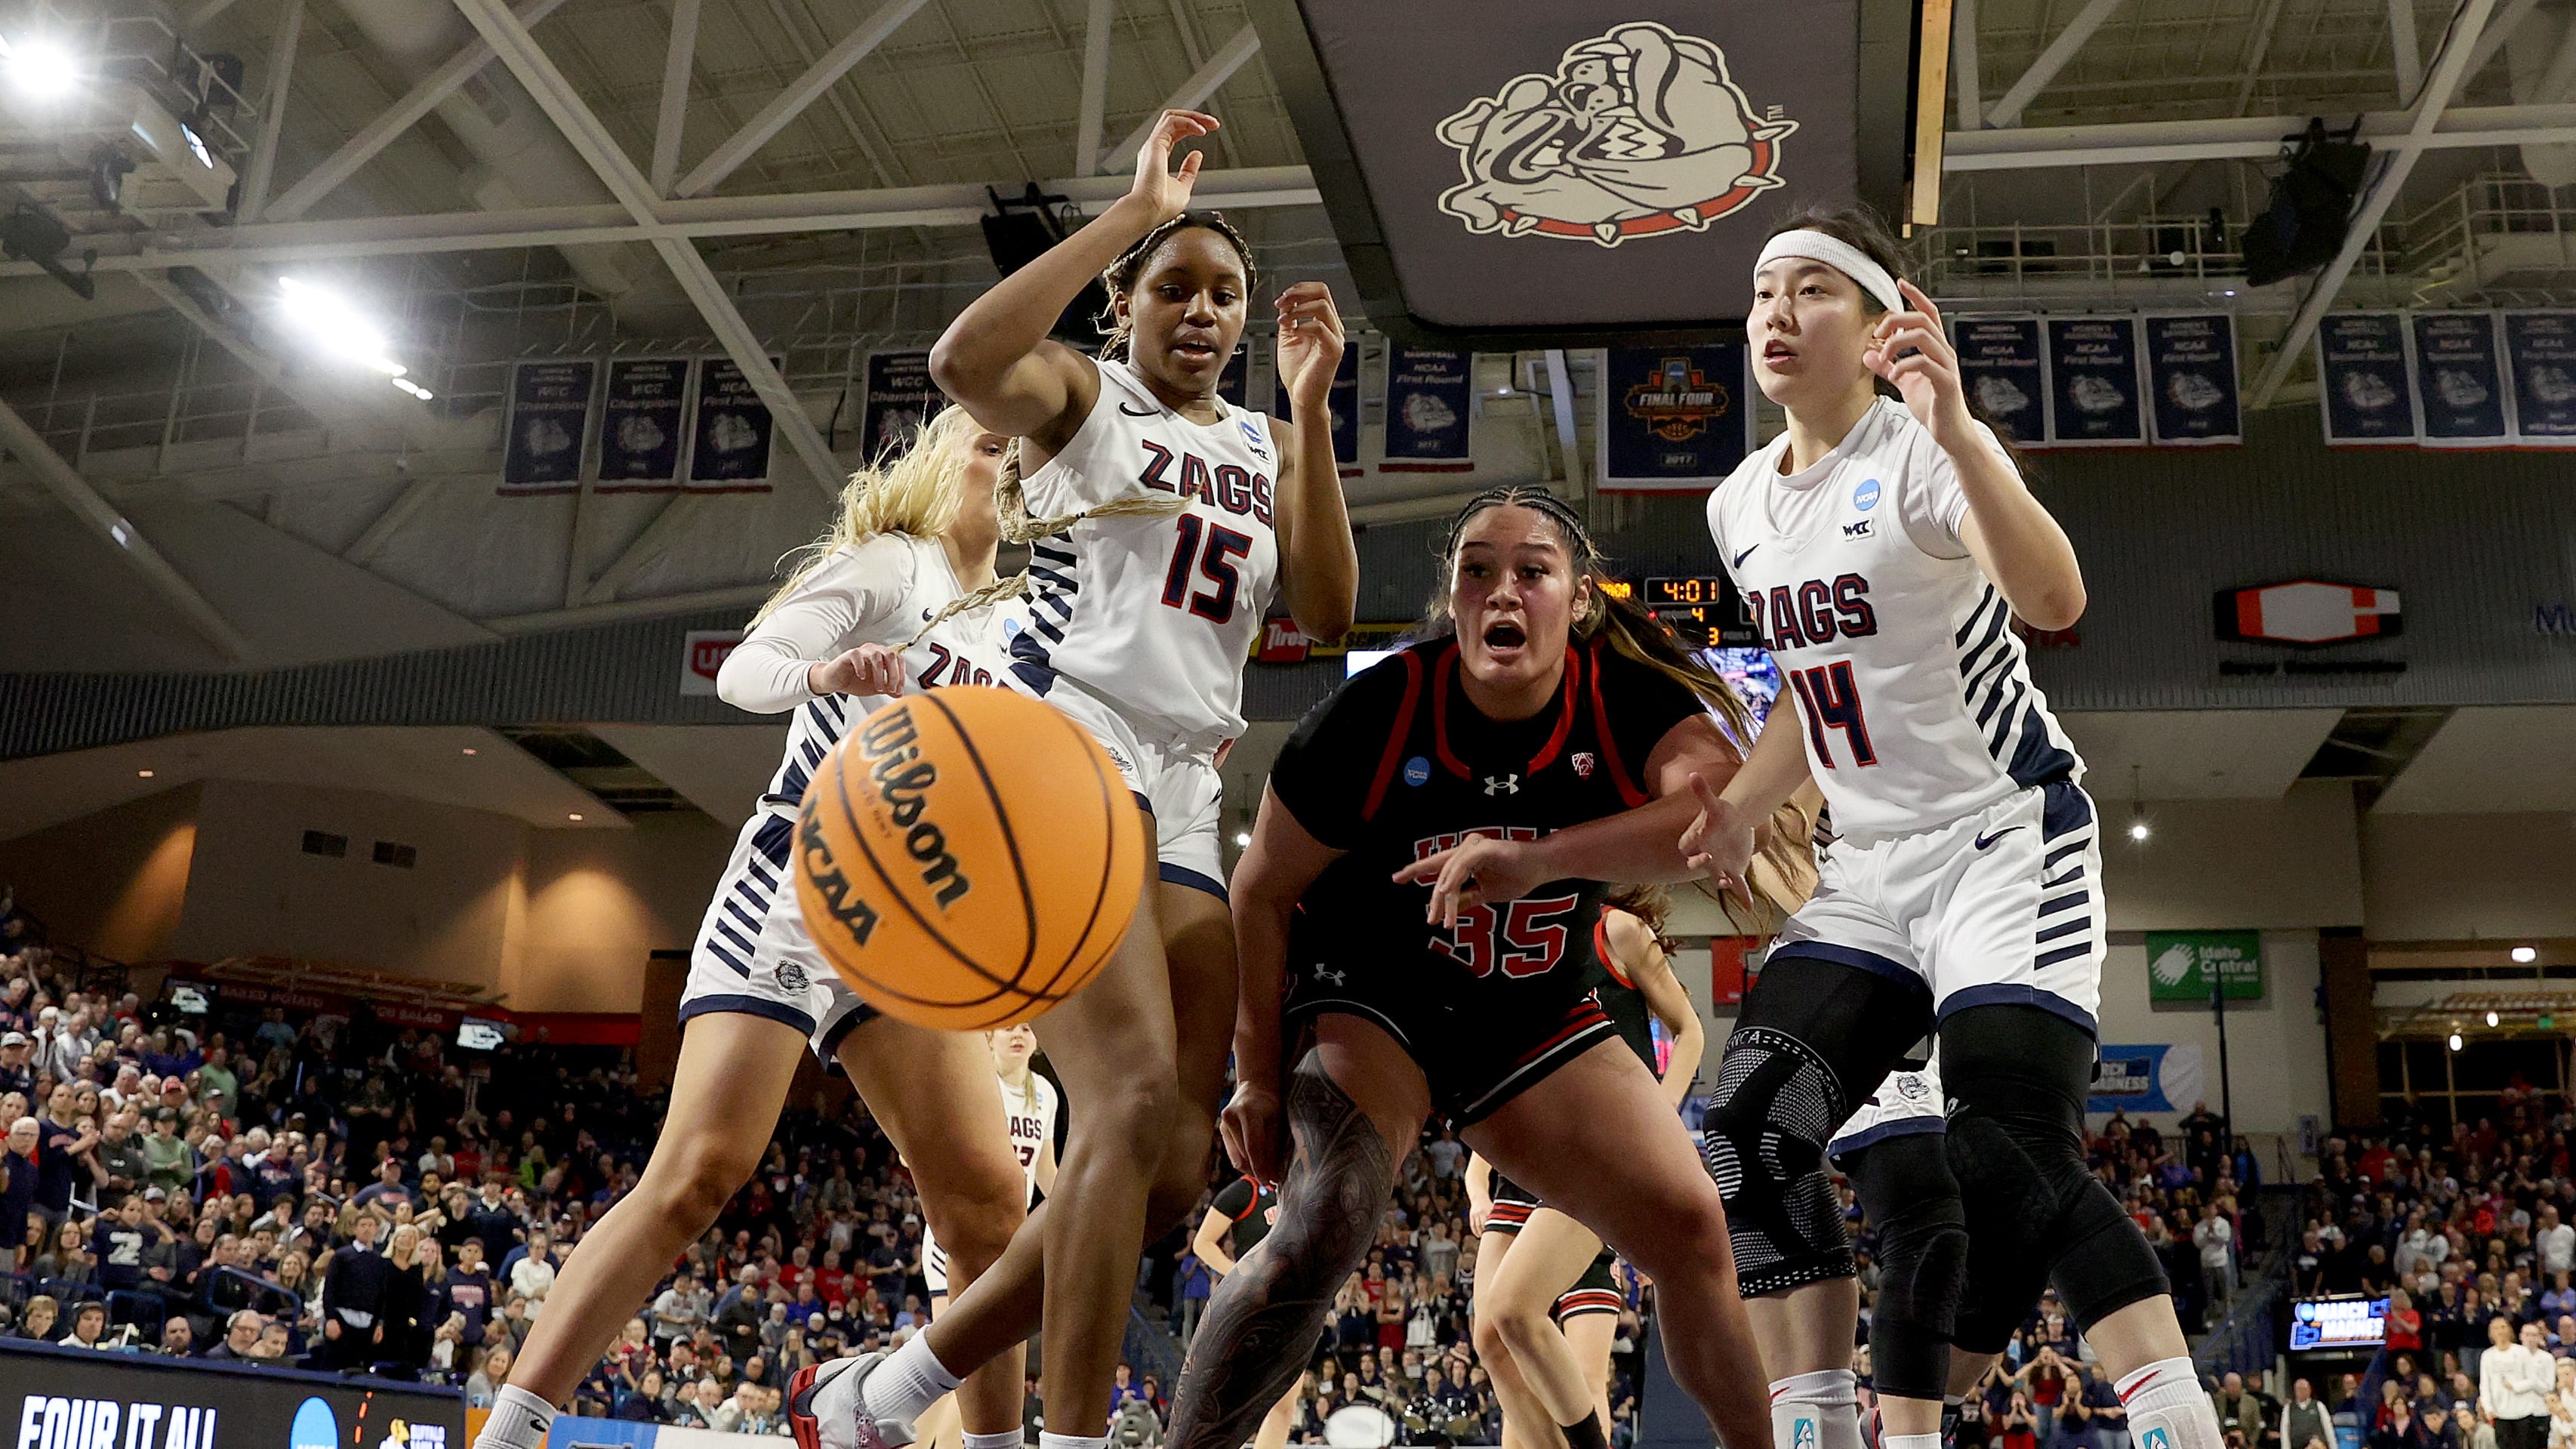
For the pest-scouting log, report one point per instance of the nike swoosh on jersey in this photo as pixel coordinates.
(1985, 840)
(1140, 412)
(1741, 557)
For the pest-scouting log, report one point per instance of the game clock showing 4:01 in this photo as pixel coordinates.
(1700, 602)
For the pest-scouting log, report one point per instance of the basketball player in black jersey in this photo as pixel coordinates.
(1530, 747)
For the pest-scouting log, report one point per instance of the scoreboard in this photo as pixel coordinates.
(1701, 603)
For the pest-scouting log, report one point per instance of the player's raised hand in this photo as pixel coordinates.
(1163, 192)
(1912, 349)
(868, 669)
(1719, 842)
(1477, 871)
(1310, 346)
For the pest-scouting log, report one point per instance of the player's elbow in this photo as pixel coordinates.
(1323, 622)
(2053, 608)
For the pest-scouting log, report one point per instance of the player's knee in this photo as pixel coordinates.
(1686, 1238)
(691, 1181)
(1486, 1331)
(1129, 1125)
(1518, 1326)
(976, 1229)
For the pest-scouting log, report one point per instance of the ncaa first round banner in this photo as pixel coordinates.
(2191, 379)
(2093, 399)
(2540, 354)
(1674, 419)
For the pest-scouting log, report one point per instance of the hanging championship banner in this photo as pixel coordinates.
(2368, 396)
(2540, 357)
(1235, 383)
(1674, 419)
(2459, 380)
(549, 417)
(1345, 409)
(2191, 374)
(1429, 400)
(729, 447)
(2000, 362)
(640, 425)
(2093, 383)
(901, 397)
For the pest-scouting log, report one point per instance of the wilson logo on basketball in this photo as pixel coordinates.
(903, 779)
(1640, 132)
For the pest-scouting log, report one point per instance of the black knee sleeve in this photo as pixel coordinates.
(1907, 1192)
(1815, 1037)
(2017, 1077)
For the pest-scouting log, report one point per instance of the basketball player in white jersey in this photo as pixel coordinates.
(1885, 544)
(871, 613)
(1163, 521)
(1029, 1108)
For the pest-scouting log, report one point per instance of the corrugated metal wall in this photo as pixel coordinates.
(2474, 542)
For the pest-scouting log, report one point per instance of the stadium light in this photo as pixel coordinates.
(39, 66)
(2524, 955)
(2493, 1019)
(333, 325)
(2455, 1041)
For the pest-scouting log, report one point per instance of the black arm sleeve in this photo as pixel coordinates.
(1324, 772)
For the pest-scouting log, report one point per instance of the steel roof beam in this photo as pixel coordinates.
(2007, 111)
(2449, 69)
(389, 124)
(1194, 92)
(554, 94)
(677, 62)
(1241, 188)
(1095, 87)
(2257, 137)
(800, 93)
(82, 497)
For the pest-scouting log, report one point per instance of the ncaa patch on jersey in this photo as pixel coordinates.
(1417, 770)
(1257, 435)
(1865, 497)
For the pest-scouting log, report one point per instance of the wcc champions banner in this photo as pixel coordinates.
(641, 425)
(1674, 419)
(549, 419)
(1429, 406)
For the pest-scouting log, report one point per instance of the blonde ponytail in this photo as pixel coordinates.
(1011, 510)
(911, 491)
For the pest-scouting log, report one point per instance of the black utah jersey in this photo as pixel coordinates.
(1399, 765)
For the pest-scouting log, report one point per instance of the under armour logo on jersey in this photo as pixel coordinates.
(1502, 784)
(1857, 530)
(1583, 763)
(1335, 977)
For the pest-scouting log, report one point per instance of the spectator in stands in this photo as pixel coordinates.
(89, 1325)
(43, 1312)
(388, 1188)
(2304, 1418)
(533, 1276)
(18, 1197)
(241, 1335)
(2515, 1380)
(355, 1294)
(169, 1162)
(17, 1062)
(62, 1144)
(178, 1337)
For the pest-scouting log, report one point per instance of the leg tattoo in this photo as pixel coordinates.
(1262, 1325)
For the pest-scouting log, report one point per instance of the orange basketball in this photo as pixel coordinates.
(967, 858)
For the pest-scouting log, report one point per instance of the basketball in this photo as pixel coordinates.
(967, 858)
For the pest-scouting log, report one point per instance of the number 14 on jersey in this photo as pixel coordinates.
(1829, 699)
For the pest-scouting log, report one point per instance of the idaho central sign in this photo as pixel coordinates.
(2307, 612)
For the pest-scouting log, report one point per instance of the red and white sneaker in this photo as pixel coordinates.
(827, 1410)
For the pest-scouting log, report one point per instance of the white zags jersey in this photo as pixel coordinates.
(1155, 614)
(897, 583)
(1914, 692)
(1032, 1123)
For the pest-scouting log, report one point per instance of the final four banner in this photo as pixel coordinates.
(2093, 383)
(641, 425)
(2003, 366)
(1674, 419)
(549, 419)
(2540, 354)
(1430, 398)
(2459, 380)
(729, 448)
(901, 397)
(2362, 371)
(2191, 374)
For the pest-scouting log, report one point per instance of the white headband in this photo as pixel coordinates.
(1833, 251)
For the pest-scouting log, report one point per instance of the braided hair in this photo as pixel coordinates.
(1120, 277)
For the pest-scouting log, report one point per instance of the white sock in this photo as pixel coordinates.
(1909, 1441)
(907, 1383)
(1049, 1439)
(2167, 1407)
(518, 1420)
(1820, 1410)
(1010, 1439)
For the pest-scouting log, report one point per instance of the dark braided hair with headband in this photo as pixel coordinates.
(1119, 278)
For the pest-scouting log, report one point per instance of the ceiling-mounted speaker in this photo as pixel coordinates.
(2311, 205)
(1022, 229)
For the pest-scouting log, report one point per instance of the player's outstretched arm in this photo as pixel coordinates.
(1319, 564)
(996, 360)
